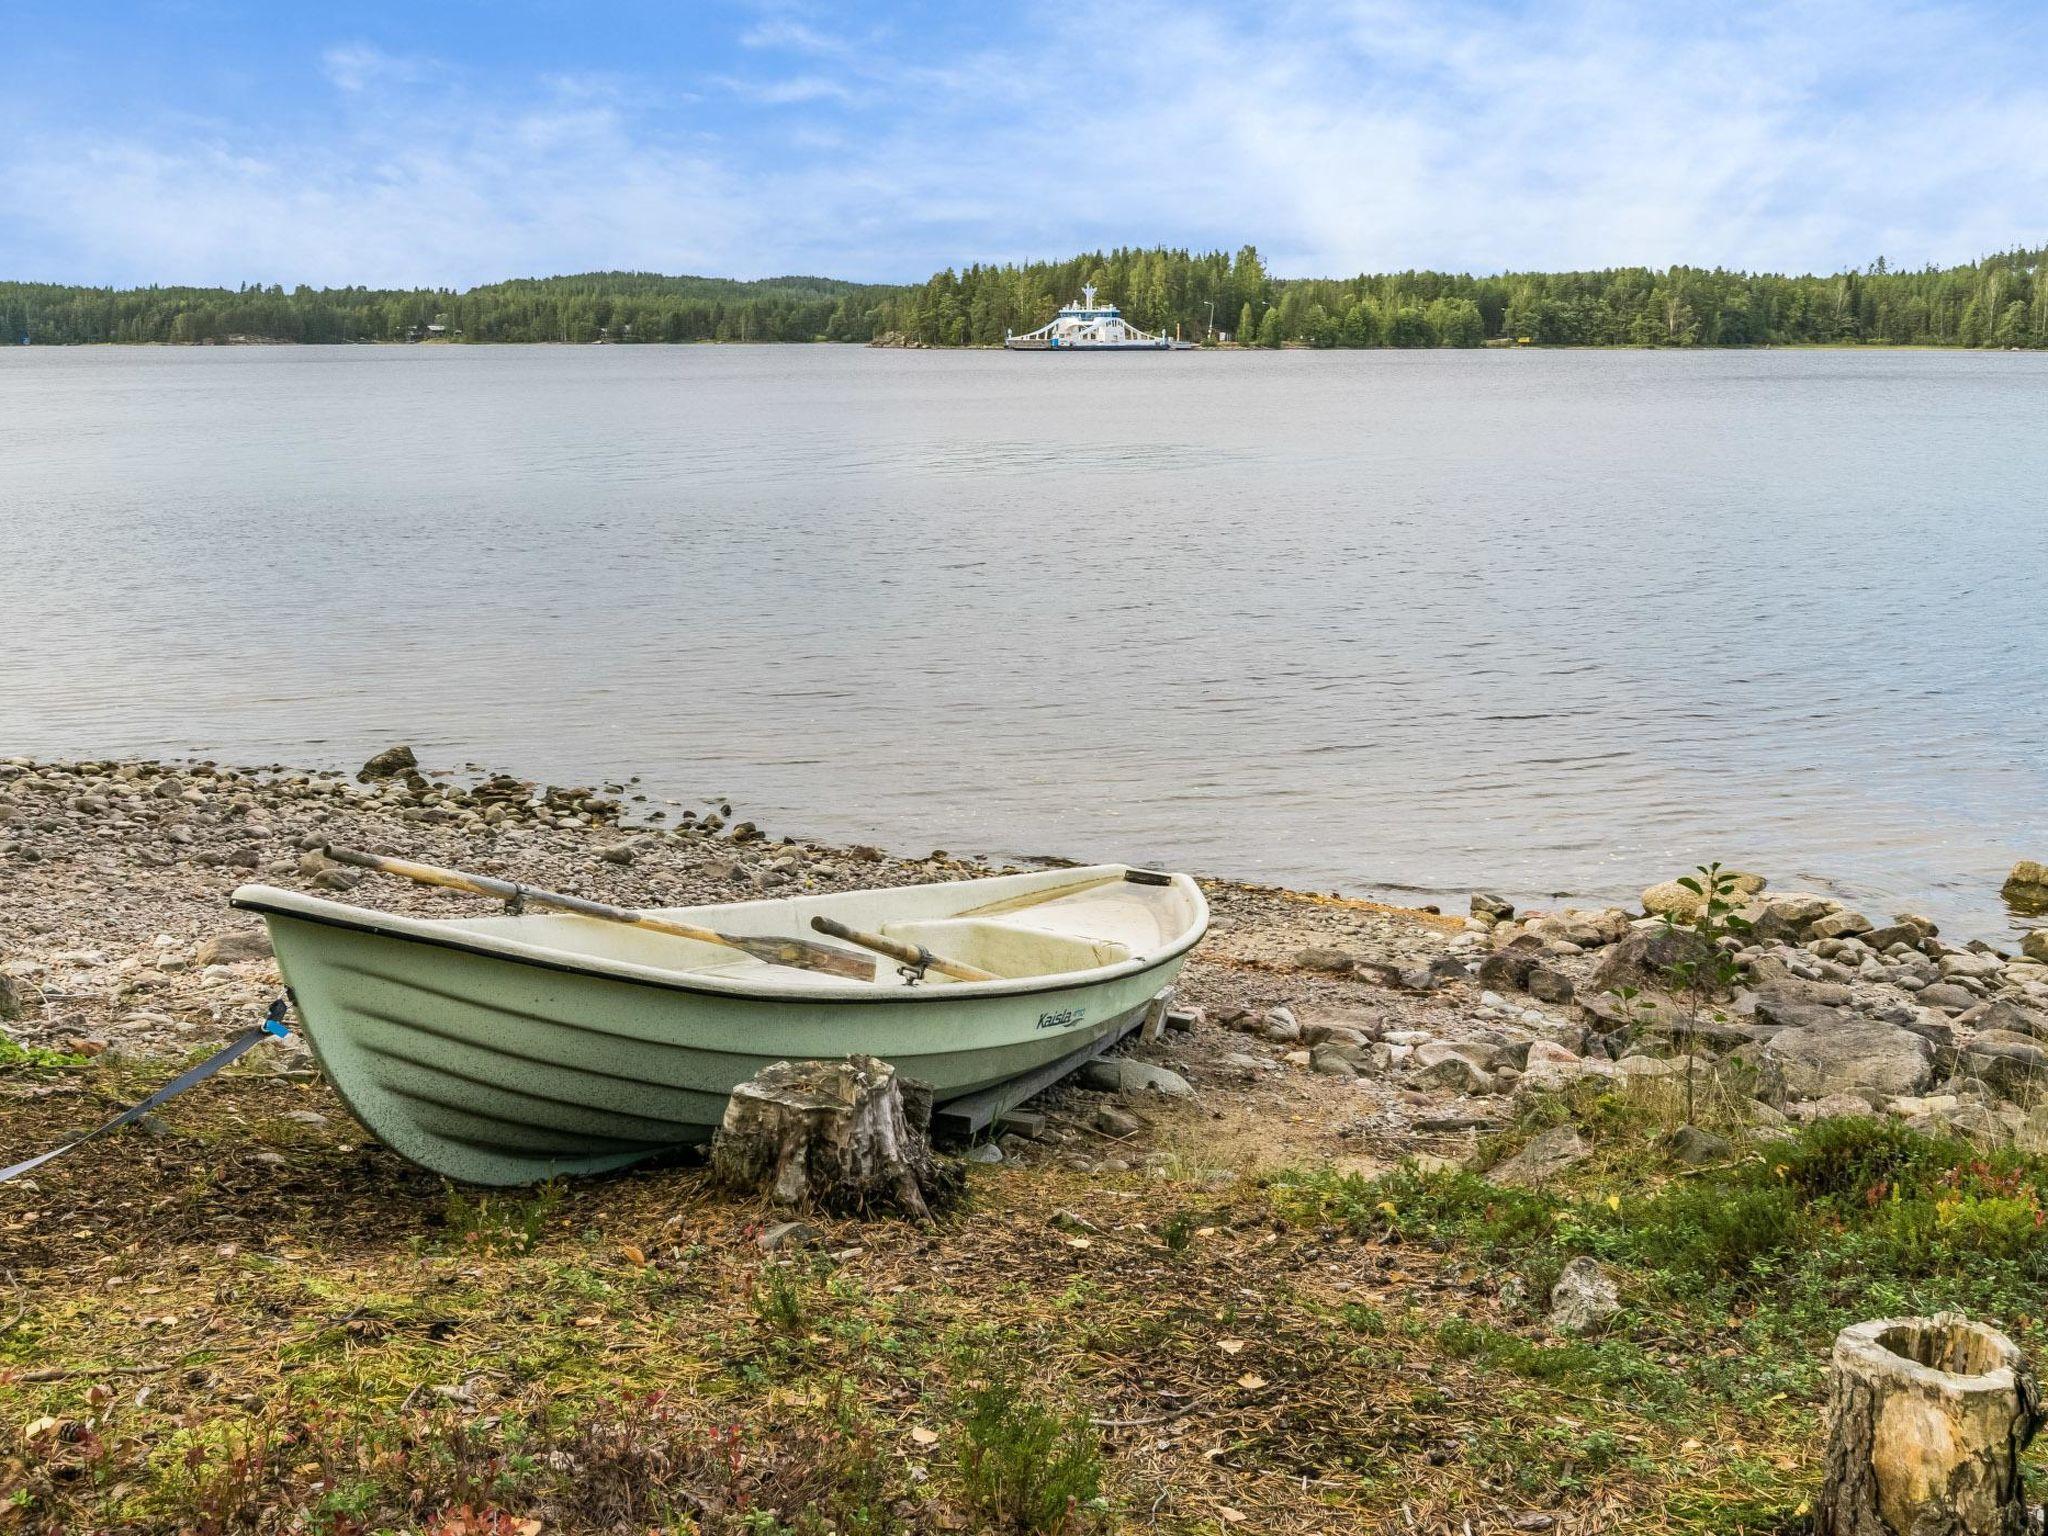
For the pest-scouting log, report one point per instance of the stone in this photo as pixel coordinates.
(1549, 985)
(792, 1234)
(1497, 908)
(1332, 1061)
(2026, 888)
(1787, 918)
(10, 997)
(1322, 958)
(1947, 995)
(2035, 945)
(1697, 1148)
(1834, 1106)
(1682, 905)
(233, 948)
(1460, 1066)
(2012, 1066)
(1843, 1052)
(2011, 1016)
(1962, 965)
(1542, 1160)
(1882, 939)
(388, 764)
(617, 853)
(1112, 1121)
(1508, 969)
(1120, 1074)
(1646, 957)
(1584, 1297)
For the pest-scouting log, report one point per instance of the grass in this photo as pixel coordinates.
(195, 1339)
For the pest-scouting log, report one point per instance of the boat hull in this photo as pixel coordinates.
(492, 1069)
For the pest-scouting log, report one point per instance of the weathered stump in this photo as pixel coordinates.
(847, 1136)
(1927, 1417)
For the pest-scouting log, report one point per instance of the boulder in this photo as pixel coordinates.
(2035, 945)
(1120, 1074)
(1494, 908)
(1682, 905)
(1583, 1298)
(1645, 958)
(10, 997)
(1547, 984)
(1508, 969)
(1962, 964)
(1947, 995)
(1787, 918)
(2026, 888)
(1542, 1160)
(1460, 1068)
(1847, 1053)
(388, 764)
(2012, 1017)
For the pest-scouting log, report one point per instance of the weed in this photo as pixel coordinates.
(1023, 1467)
(499, 1224)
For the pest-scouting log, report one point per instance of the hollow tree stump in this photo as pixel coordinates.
(849, 1136)
(1927, 1417)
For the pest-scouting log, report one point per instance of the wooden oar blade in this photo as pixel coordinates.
(805, 955)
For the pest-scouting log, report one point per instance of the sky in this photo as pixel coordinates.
(430, 144)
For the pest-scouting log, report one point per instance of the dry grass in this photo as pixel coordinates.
(210, 1341)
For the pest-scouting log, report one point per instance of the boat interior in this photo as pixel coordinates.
(1045, 923)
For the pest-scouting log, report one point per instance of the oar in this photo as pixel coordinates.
(910, 954)
(1055, 892)
(800, 954)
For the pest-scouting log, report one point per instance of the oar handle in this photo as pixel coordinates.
(910, 954)
(800, 954)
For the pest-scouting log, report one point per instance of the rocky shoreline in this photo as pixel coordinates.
(1310, 1024)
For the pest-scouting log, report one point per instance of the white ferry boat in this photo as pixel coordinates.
(1091, 327)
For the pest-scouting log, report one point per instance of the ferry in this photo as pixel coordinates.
(1091, 327)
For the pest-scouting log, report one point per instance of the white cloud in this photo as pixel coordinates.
(1341, 137)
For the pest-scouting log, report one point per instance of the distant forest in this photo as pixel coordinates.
(2001, 301)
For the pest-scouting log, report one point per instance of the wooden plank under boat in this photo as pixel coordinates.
(508, 1049)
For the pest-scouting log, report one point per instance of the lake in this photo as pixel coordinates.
(1396, 623)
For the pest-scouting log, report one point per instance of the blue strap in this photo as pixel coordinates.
(272, 1027)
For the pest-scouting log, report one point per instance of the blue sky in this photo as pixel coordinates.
(218, 141)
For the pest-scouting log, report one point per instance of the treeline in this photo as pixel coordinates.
(2001, 301)
(597, 306)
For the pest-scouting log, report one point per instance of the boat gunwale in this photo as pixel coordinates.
(434, 933)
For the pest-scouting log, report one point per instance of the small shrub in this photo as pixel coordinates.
(1024, 1468)
(499, 1224)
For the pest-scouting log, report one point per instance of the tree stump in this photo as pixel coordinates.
(1927, 1417)
(848, 1136)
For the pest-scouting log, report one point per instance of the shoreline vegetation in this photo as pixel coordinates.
(2000, 301)
(1529, 1221)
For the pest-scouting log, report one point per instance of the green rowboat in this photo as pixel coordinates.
(509, 1049)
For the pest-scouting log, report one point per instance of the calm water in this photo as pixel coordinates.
(1386, 622)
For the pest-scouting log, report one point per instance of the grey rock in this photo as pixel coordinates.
(1549, 985)
(617, 853)
(1583, 1298)
(1112, 1121)
(1332, 1061)
(1499, 908)
(1120, 1074)
(2012, 1017)
(1697, 1148)
(1542, 1160)
(1947, 995)
(1847, 1053)
(1645, 958)
(2012, 1066)
(388, 764)
(985, 1152)
(788, 1234)
(1838, 925)
(1508, 969)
